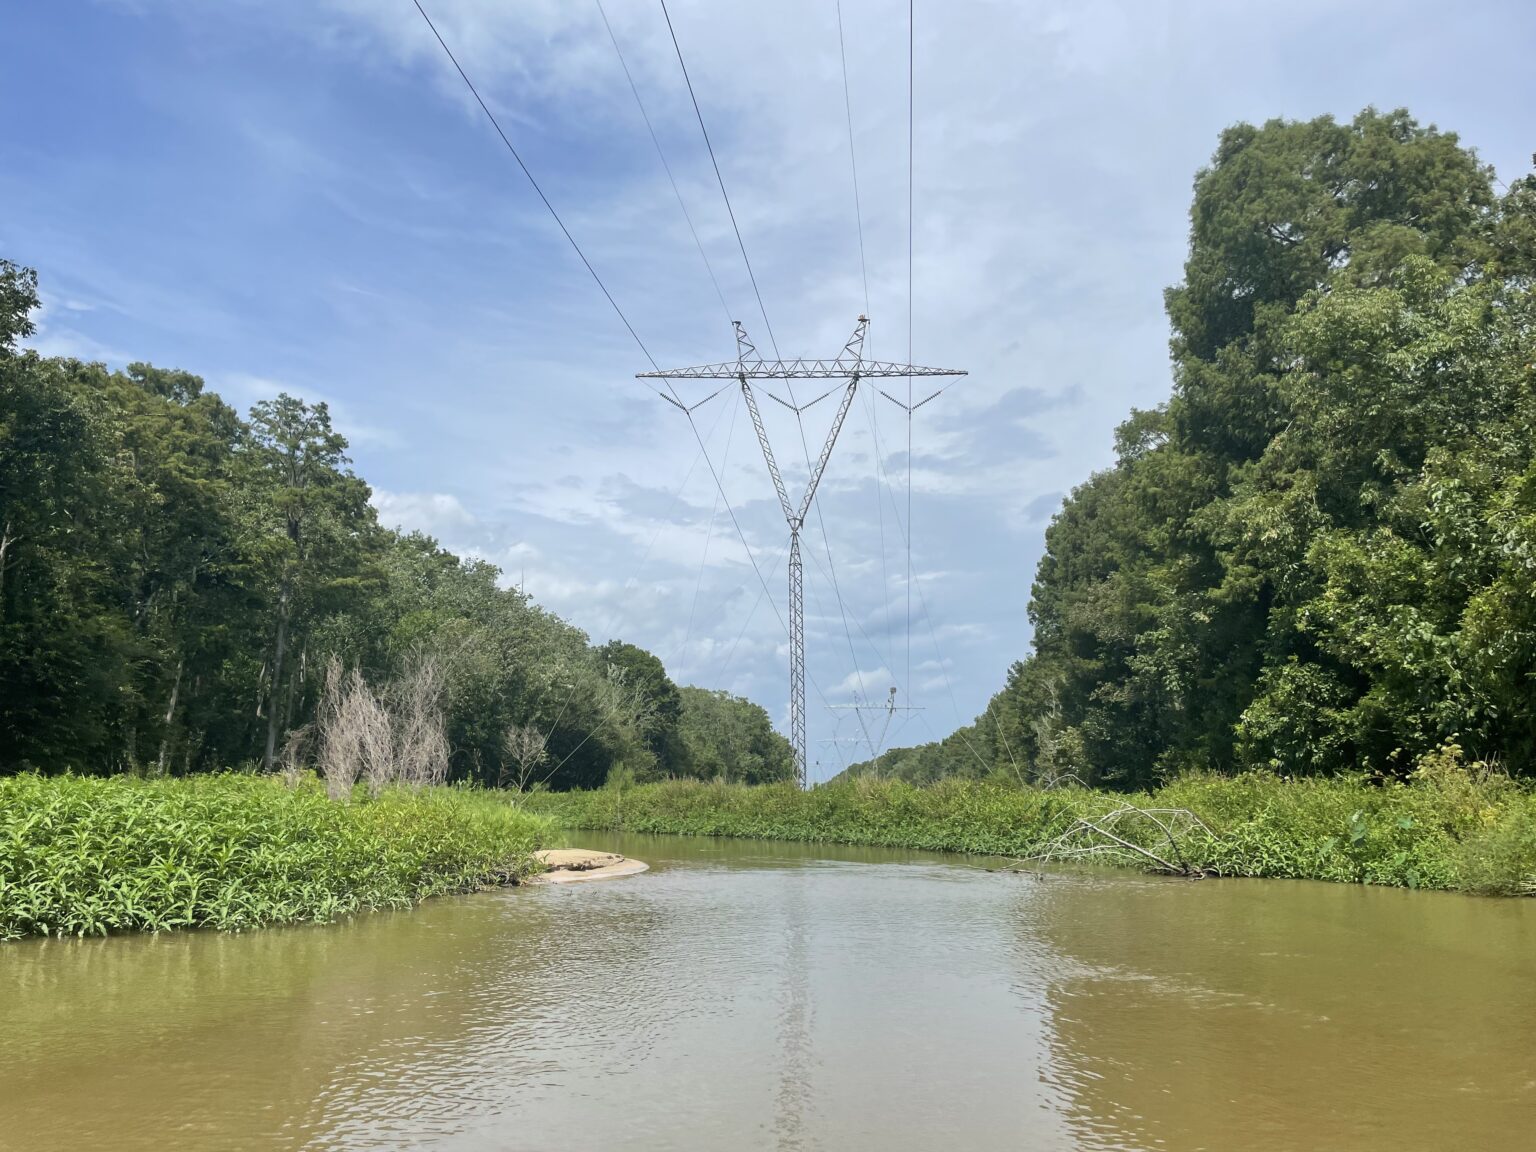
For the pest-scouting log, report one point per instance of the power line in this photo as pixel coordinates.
(703, 450)
(910, 102)
(848, 365)
(709, 536)
(858, 215)
(491, 116)
(837, 592)
(720, 179)
(885, 573)
(726, 500)
(708, 267)
(933, 635)
(616, 618)
(772, 569)
(885, 661)
(613, 303)
(858, 211)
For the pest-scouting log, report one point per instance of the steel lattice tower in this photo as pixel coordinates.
(849, 365)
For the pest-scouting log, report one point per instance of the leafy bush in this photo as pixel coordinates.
(88, 856)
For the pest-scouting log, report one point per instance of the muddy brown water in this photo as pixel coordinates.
(746, 995)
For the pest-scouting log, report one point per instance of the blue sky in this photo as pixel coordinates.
(300, 196)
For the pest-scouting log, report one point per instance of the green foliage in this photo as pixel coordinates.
(644, 707)
(18, 299)
(729, 738)
(87, 856)
(1319, 557)
(1450, 827)
(951, 816)
(174, 578)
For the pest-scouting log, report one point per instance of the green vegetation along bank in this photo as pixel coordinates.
(1318, 556)
(1448, 827)
(166, 563)
(89, 856)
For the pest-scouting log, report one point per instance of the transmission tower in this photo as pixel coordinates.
(749, 365)
(884, 710)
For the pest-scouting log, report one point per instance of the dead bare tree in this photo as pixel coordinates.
(338, 752)
(420, 727)
(375, 738)
(297, 744)
(399, 736)
(1123, 833)
(353, 733)
(526, 748)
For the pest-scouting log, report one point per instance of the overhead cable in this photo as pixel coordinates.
(644, 115)
(752, 276)
(491, 116)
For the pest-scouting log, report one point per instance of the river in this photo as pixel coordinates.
(746, 995)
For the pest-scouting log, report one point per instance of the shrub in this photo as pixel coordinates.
(89, 855)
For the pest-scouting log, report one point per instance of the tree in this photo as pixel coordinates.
(309, 520)
(174, 581)
(1314, 556)
(18, 300)
(732, 739)
(644, 704)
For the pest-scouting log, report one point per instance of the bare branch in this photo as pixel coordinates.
(1106, 835)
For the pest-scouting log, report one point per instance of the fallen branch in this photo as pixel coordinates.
(1091, 836)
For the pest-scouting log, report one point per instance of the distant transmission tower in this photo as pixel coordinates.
(885, 710)
(851, 366)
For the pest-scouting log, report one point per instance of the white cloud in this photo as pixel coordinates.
(863, 686)
(60, 336)
(435, 513)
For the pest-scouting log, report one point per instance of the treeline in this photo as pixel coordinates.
(176, 579)
(1319, 555)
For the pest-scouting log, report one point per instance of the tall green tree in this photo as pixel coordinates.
(730, 738)
(1315, 557)
(309, 525)
(173, 577)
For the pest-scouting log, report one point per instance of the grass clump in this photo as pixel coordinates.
(87, 856)
(1449, 826)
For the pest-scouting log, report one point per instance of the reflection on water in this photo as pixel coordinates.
(796, 1055)
(751, 995)
(1263, 1015)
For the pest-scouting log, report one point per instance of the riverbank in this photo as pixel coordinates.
(1447, 829)
(91, 855)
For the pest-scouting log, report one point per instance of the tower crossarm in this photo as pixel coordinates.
(799, 369)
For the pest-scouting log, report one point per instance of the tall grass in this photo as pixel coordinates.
(88, 856)
(1449, 828)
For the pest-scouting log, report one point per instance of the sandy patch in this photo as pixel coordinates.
(569, 865)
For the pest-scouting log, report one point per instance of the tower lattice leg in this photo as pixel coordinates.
(797, 656)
